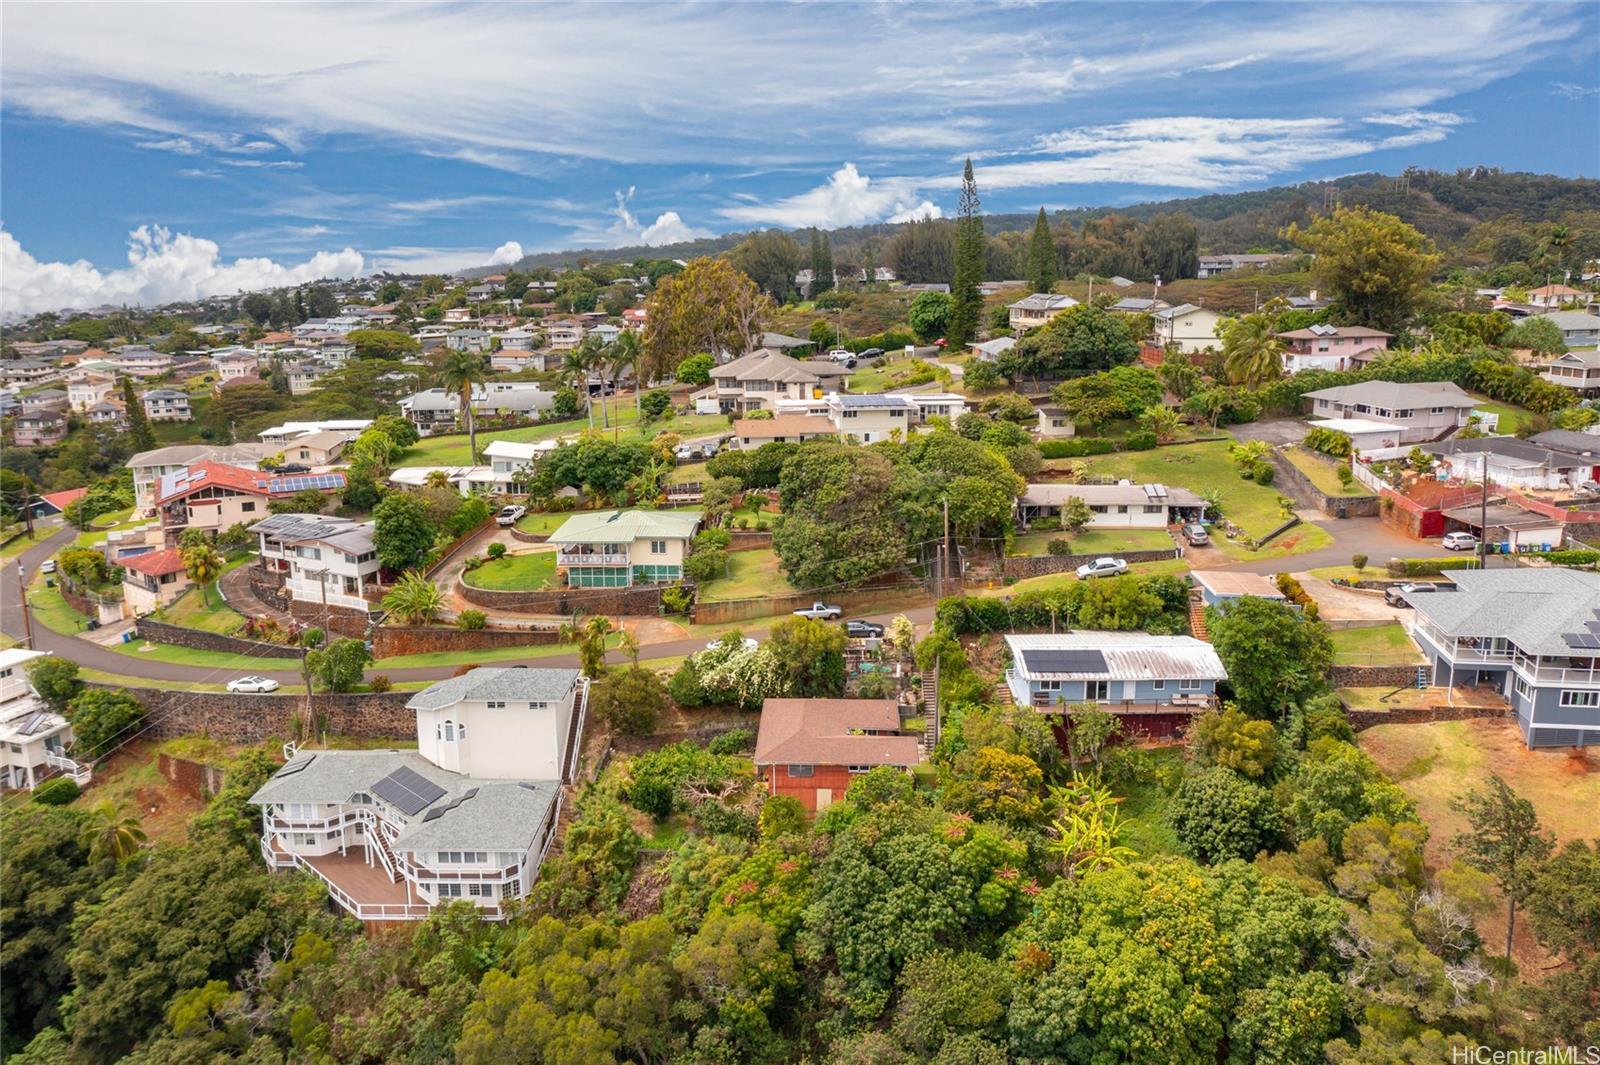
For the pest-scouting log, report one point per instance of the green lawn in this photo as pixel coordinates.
(1055, 581)
(1378, 645)
(1146, 827)
(1322, 472)
(1512, 418)
(23, 542)
(519, 573)
(453, 450)
(52, 611)
(544, 524)
(102, 677)
(1096, 541)
(484, 656)
(207, 613)
(750, 574)
(218, 660)
(885, 375)
(104, 527)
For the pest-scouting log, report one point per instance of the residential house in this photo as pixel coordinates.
(480, 293)
(866, 419)
(990, 350)
(39, 428)
(1212, 265)
(1153, 684)
(1055, 423)
(303, 376)
(273, 342)
(1579, 329)
(141, 362)
(1511, 463)
(166, 405)
(1035, 310)
(606, 332)
(1533, 635)
(1219, 587)
(512, 399)
(44, 399)
(751, 433)
(216, 497)
(1553, 296)
(812, 749)
(497, 321)
(1577, 370)
(950, 405)
(458, 315)
(516, 360)
(469, 815)
(919, 287)
(283, 434)
(521, 337)
(1186, 327)
(563, 335)
(150, 466)
(316, 449)
(84, 390)
(1511, 527)
(152, 580)
(467, 340)
(1584, 446)
(1113, 506)
(325, 561)
(432, 411)
(1423, 410)
(619, 548)
(34, 739)
(508, 459)
(1138, 305)
(235, 366)
(757, 380)
(1366, 434)
(107, 412)
(1329, 347)
(29, 371)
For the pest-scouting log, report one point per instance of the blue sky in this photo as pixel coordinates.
(154, 152)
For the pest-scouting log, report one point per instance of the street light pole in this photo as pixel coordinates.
(27, 618)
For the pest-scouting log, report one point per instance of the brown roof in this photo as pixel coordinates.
(832, 732)
(783, 425)
(155, 563)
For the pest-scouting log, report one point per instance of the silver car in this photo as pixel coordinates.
(253, 685)
(1102, 567)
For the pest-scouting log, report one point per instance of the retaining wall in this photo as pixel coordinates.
(195, 640)
(1376, 676)
(334, 619)
(1018, 568)
(253, 718)
(528, 537)
(749, 540)
(195, 779)
(1362, 506)
(725, 613)
(640, 600)
(1419, 715)
(392, 641)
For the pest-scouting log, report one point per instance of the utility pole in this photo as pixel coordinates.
(27, 618)
(1483, 517)
(945, 572)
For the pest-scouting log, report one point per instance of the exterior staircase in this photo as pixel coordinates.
(1197, 620)
(391, 865)
(1002, 693)
(930, 710)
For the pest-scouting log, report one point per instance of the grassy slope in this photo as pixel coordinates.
(524, 572)
(750, 574)
(1322, 473)
(1377, 645)
(194, 611)
(1096, 541)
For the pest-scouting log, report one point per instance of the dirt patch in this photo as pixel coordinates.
(131, 780)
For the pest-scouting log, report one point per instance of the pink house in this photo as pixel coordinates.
(1330, 347)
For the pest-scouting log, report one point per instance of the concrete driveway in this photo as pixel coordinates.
(1274, 431)
(1336, 603)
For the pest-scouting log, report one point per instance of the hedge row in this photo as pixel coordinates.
(1416, 567)
(1076, 447)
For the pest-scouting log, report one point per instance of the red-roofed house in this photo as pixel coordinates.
(57, 502)
(216, 497)
(152, 580)
(811, 749)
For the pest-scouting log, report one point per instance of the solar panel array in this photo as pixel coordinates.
(451, 805)
(1585, 641)
(310, 480)
(1058, 661)
(407, 791)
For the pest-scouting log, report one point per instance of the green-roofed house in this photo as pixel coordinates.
(620, 548)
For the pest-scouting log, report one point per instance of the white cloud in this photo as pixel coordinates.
(195, 172)
(949, 133)
(1417, 119)
(506, 254)
(920, 213)
(442, 204)
(177, 145)
(263, 164)
(848, 198)
(162, 267)
(412, 259)
(668, 228)
(1228, 64)
(1575, 92)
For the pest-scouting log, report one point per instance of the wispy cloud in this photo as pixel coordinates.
(1575, 92)
(847, 198)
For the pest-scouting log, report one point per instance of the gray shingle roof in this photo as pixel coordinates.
(1398, 394)
(1573, 443)
(513, 683)
(1529, 607)
(1518, 452)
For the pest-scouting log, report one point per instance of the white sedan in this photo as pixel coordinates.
(253, 685)
(1102, 567)
(1459, 541)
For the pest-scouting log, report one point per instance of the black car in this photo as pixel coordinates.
(291, 467)
(870, 353)
(863, 629)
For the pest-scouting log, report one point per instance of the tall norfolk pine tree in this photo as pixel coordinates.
(821, 265)
(144, 438)
(1041, 256)
(968, 302)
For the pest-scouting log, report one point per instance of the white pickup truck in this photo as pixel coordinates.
(820, 611)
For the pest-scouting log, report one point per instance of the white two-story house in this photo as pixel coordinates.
(1531, 634)
(619, 548)
(469, 815)
(509, 458)
(758, 380)
(325, 560)
(1330, 347)
(1422, 410)
(869, 418)
(34, 739)
(1034, 310)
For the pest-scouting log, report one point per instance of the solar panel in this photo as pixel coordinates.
(407, 791)
(295, 767)
(419, 785)
(34, 723)
(301, 483)
(440, 811)
(1058, 661)
(1584, 640)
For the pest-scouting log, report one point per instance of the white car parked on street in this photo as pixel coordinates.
(1102, 567)
(253, 685)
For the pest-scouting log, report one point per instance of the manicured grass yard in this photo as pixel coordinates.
(1322, 472)
(750, 574)
(452, 450)
(1096, 541)
(521, 573)
(1052, 582)
(1379, 645)
(544, 524)
(52, 611)
(207, 613)
(24, 542)
(1204, 467)
(1511, 418)
(483, 656)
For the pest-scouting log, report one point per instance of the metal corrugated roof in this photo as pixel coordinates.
(1128, 656)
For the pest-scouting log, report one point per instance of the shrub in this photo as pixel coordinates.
(471, 564)
(379, 684)
(1358, 561)
(875, 685)
(58, 791)
(1346, 478)
(629, 700)
(1263, 474)
(496, 550)
(1573, 557)
(1328, 442)
(1076, 447)
(734, 741)
(471, 620)
(1219, 815)
(1422, 567)
(677, 599)
(102, 719)
(1058, 547)
(1142, 440)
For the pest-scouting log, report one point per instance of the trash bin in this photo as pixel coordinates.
(127, 637)
(1344, 512)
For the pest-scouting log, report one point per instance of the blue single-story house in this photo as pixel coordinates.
(1218, 586)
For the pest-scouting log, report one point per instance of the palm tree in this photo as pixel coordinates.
(108, 835)
(1086, 832)
(1251, 352)
(459, 372)
(1163, 421)
(629, 645)
(626, 353)
(1559, 240)
(203, 565)
(590, 637)
(581, 360)
(414, 599)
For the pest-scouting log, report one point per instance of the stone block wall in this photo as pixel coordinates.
(1018, 568)
(253, 718)
(640, 600)
(749, 540)
(1419, 715)
(335, 620)
(195, 640)
(390, 641)
(1363, 506)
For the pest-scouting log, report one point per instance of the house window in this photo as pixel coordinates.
(496, 704)
(480, 891)
(538, 706)
(248, 508)
(1188, 685)
(307, 840)
(858, 769)
(1522, 688)
(1049, 685)
(449, 731)
(447, 891)
(1154, 510)
(1158, 685)
(1098, 690)
(802, 770)
(297, 811)
(1590, 699)
(658, 547)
